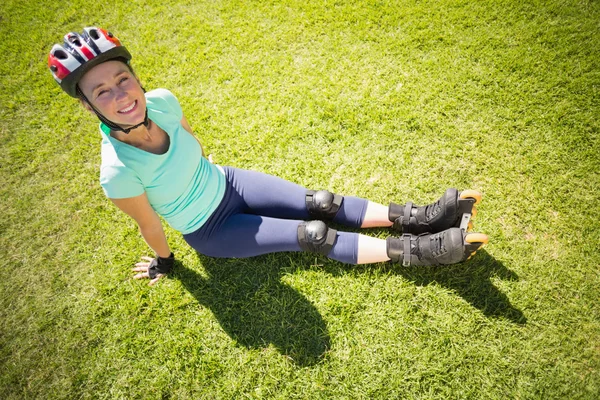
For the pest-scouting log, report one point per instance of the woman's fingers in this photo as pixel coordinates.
(153, 281)
(141, 276)
(142, 268)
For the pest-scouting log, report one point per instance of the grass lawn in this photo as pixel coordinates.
(388, 100)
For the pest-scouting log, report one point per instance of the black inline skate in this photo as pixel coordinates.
(451, 246)
(453, 209)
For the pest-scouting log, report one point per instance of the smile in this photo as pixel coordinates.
(128, 109)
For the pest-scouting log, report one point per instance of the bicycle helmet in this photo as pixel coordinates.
(80, 53)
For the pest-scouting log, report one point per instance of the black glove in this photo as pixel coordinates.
(161, 265)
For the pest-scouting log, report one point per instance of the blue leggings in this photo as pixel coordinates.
(260, 214)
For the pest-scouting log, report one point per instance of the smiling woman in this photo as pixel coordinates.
(118, 99)
(117, 94)
(153, 165)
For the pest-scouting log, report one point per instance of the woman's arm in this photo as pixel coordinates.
(148, 221)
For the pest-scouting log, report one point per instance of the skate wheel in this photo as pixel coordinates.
(470, 227)
(473, 242)
(476, 238)
(471, 194)
(474, 212)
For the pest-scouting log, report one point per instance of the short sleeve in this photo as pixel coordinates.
(170, 100)
(120, 182)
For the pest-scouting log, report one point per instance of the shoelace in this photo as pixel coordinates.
(433, 209)
(437, 245)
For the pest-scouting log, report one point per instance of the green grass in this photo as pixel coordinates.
(387, 100)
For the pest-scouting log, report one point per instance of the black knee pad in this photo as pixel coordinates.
(323, 204)
(316, 237)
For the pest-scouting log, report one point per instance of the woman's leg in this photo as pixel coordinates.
(248, 235)
(376, 215)
(371, 250)
(271, 196)
(232, 233)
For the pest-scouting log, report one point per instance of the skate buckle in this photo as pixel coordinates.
(464, 223)
(406, 253)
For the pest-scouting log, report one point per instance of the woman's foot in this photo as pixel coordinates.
(451, 246)
(453, 209)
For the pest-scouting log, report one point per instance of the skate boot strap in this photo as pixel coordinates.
(425, 255)
(406, 219)
(406, 254)
(401, 216)
(398, 249)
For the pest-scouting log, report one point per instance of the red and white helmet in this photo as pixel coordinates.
(79, 53)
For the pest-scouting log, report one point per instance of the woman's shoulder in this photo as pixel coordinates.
(114, 173)
(111, 156)
(160, 93)
(110, 159)
(163, 100)
(118, 181)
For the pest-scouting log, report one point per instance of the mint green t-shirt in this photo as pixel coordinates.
(182, 186)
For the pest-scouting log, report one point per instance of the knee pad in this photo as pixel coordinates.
(323, 204)
(316, 237)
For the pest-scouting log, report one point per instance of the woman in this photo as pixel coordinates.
(153, 165)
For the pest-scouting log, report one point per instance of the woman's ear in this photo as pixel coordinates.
(139, 83)
(86, 105)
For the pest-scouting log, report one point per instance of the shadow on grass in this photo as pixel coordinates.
(256, 309)
(472, 281)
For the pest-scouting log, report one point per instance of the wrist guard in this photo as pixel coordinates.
(161, 265)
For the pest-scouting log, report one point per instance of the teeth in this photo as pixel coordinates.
(125, 110)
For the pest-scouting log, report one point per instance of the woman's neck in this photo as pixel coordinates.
(151, 139)
(137, 135)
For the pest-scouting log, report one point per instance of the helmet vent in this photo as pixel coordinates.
(75, 41)
(94, 34)
(61, 55)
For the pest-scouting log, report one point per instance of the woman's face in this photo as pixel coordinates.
(115, 91)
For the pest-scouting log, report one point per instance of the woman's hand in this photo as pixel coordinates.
(143, 268)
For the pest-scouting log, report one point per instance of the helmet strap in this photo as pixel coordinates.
(113, 126)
